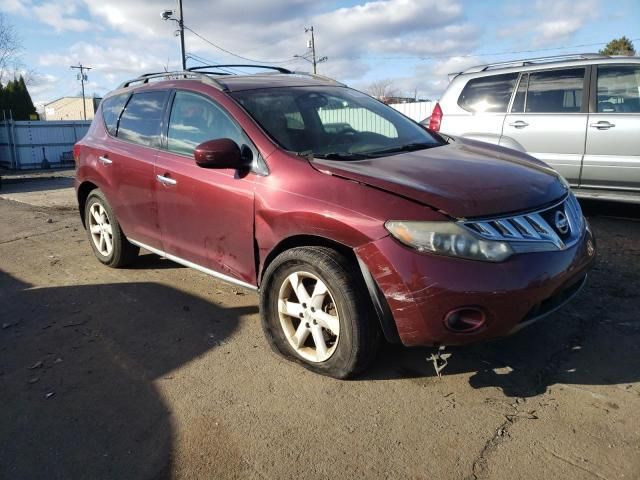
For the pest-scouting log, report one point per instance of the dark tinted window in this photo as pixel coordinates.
(140, 121)
(619, 89)
(555, 91)
(521, 95)
(111, 108)
(195, 119)
(488, 94)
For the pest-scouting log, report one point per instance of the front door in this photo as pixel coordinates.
(549, 118)
(612, 157)
(206, 215)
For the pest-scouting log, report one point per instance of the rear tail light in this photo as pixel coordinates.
(76, 153)
(436, 118)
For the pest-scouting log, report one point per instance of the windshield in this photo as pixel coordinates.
(333, 122)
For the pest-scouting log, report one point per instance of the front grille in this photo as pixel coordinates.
(553, 228)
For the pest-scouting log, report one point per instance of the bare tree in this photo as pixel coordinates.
(383, 90)
(10, 47)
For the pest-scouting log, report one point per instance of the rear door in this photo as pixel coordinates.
(131, 159)
(548, 118)
(206, 215)
(612, 157)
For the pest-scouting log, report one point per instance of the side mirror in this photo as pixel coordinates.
(220, 153)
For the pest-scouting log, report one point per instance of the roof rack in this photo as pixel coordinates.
(264, 67)
(204, 73)
(530, 61)
(144, 78)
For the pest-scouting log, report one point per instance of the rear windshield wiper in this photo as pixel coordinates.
(407, 147)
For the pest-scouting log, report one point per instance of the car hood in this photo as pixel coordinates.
(464, 178)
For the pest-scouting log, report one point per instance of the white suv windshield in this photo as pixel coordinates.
(333, 122)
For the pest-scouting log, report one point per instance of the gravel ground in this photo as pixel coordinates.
(159, 371)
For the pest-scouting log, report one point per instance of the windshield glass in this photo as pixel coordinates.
(333, 122)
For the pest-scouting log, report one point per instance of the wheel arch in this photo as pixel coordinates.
(381, 307)
(84, 190)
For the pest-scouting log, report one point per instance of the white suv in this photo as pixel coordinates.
(580, 114)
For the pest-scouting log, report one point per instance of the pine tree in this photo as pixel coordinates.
(619, 46)
(26, 102)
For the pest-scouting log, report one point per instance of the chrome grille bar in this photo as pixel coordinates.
(531, 231)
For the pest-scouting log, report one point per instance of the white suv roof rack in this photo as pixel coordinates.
(530, 61)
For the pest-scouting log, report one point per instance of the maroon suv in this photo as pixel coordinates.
(354, 222)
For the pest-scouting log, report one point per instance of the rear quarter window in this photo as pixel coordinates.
(488, 94)
(111, 109)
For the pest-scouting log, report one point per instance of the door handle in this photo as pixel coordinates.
(519, 124)
(166, 180)
(105, 160)
(602, 125)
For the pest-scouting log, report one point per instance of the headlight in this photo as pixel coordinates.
(447, 238)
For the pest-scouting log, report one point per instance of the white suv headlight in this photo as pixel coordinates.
(447, 238)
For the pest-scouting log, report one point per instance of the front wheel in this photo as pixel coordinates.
(316, 310)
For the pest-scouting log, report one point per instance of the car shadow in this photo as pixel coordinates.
(595, 340)
(80, 372)
(148, 261)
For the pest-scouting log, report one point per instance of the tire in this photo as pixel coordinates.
(106, 238)
(343, 318)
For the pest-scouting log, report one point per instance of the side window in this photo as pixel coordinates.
(555, 91)
(111, 109)
(488, 94)
(195, 119)
(141, 119)
(619, 89)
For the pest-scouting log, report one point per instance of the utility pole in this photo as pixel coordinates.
(181, 24)
(82, 77)
(312, 46)
(169, 15)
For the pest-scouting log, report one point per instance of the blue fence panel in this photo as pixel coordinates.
(29, 145)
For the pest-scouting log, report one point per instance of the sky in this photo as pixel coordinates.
(412, 43)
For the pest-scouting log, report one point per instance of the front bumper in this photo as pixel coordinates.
(420, 289)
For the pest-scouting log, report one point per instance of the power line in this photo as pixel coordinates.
(467, 55)
(230, 52)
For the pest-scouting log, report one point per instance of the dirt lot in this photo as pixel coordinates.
(159, 371)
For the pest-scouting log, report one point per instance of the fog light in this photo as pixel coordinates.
(464, 320)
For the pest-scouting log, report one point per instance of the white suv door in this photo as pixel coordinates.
(612, 157)
(548, 118)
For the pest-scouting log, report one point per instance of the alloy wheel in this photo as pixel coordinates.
(308, 316)
(101, 230)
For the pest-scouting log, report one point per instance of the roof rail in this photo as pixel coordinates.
(144, 78)
(530, 61)
(265, 67)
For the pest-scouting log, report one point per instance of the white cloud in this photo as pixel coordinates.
(61, 15)
(550, 22)
(15, 6)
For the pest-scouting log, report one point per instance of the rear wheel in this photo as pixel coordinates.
(316, 311)
(107, 240)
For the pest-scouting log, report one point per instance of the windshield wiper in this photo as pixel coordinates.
(407, 147)
(342, 156)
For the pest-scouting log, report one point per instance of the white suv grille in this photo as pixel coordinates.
(554, 228)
